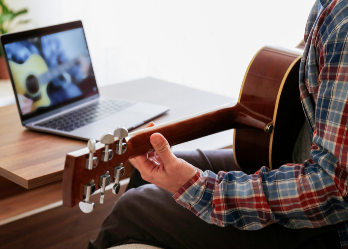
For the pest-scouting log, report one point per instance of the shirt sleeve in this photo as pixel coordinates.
(308, 195)
(295, 196)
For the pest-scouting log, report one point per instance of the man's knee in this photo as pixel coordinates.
(137, 199)
(126, 200)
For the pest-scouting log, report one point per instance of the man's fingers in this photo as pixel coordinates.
(142, 157)
(162, 148)
(138, 161)
(145, 166)
(144, 162)
(151, 124)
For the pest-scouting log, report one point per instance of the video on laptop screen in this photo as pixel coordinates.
(51, 71)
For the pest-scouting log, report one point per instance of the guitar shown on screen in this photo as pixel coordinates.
(268, 99)
(32, 77)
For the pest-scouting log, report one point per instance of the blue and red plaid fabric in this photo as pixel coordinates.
(308, 195)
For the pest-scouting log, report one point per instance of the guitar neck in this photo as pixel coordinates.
(223, 118)
(138, 143)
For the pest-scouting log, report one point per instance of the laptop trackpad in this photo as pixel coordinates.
(125, 119)
(109, 124)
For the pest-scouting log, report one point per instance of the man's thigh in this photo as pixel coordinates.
(150, 215)
(213, 160)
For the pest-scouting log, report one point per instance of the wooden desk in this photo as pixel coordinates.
(35, 218)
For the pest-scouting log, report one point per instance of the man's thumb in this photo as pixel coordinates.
(162, 148)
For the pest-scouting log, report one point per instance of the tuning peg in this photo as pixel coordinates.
(91, 161)
(86, 205)
(107, 153)
(103, 182)
(118, 173)
(121, 133)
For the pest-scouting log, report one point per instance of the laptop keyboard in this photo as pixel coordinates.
(85, 115)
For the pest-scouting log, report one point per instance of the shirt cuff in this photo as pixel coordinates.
(190, 195)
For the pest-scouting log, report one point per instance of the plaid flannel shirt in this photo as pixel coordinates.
(308, 195)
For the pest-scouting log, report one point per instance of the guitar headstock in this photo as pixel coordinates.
(95, 167)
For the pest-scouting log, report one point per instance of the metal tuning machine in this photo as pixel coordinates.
(91, 161)
(86, 205)
(107, 153)
(103, 183)
(121, 133)
(118, 173)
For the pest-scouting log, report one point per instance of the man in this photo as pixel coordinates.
(297, 206)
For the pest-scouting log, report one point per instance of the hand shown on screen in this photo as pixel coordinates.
(25, 104)
(84, 64)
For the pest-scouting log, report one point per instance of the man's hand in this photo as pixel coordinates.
(161, 167)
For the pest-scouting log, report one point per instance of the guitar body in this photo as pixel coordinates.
(267, 120)
(35, 65)
(270, 88)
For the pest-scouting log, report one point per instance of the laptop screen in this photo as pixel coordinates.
(50, 69)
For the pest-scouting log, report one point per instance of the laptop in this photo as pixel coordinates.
(56, 89)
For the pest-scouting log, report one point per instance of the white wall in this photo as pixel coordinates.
(199, 43)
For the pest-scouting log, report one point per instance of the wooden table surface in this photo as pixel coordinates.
(33, 159)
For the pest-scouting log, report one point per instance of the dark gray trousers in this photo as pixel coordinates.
(149, 215)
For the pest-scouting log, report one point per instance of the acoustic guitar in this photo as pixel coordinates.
(267, 120)
(32, 77)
